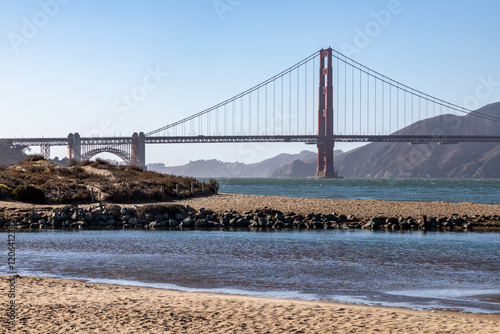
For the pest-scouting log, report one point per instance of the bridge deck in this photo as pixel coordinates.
(271, 138)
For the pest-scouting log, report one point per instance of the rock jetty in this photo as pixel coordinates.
(175, 216)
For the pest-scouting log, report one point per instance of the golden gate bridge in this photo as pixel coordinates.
(325, 98)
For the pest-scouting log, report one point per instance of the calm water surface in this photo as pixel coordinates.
(484, 191)
(411, 269)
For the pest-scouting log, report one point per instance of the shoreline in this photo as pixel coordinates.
(52, 305)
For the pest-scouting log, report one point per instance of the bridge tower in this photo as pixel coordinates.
(139, 149)
(74, 147)
(325, 116)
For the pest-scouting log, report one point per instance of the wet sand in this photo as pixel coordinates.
(47, 305)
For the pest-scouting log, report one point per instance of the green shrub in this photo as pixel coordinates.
(5, 192)
(29, 194)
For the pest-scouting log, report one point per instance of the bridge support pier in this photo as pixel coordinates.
(74, 147)
(139, 149)
(325, 117)
(45, 151)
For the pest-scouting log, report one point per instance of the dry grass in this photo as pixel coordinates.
(100, 179)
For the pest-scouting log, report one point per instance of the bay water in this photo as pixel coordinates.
(484, 191)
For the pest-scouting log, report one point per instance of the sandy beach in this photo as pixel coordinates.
(47, 305)
(361, 208)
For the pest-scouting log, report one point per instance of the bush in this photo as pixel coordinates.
(5, 192)
(34, 157)
(213, 186)
(29, 194)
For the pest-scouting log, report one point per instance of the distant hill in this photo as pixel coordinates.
(386, 160)
(216, 168)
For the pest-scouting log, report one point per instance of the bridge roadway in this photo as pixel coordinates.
(312, 139)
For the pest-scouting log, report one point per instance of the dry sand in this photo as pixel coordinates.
(361, 208)
(47, 305)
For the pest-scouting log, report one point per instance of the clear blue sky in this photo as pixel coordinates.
(64, 64)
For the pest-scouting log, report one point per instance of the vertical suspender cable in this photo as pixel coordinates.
(241, 115)
(352, 101)
(250, 113)
(225, 120)
(367, 103)
(345, 96)
(337, 99)
(265, 110)
(274, 107)
(234, 118)
(313, 99)
(375, 107)
(360, 103)
(390, 109)
(405, 110)
(383, 108)
(290, 103)
(298, 99)
(282, 106)
(258, 113)
(397, 108)
(305, 99)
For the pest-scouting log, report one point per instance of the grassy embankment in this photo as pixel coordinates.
(36, 180)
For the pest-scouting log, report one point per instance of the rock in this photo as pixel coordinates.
(405, 225)
(179, 217)
(187, 222)
(243, 222)
(125, 218)
(206, 211)
(56, 216)
(133, 221)
(368, 226)
(159, 217)
(36, 216)
(201, 223)
(89, 217)
(212, 218)
(78, 224)
(173, 223)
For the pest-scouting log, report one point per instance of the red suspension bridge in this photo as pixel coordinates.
(325, 98)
